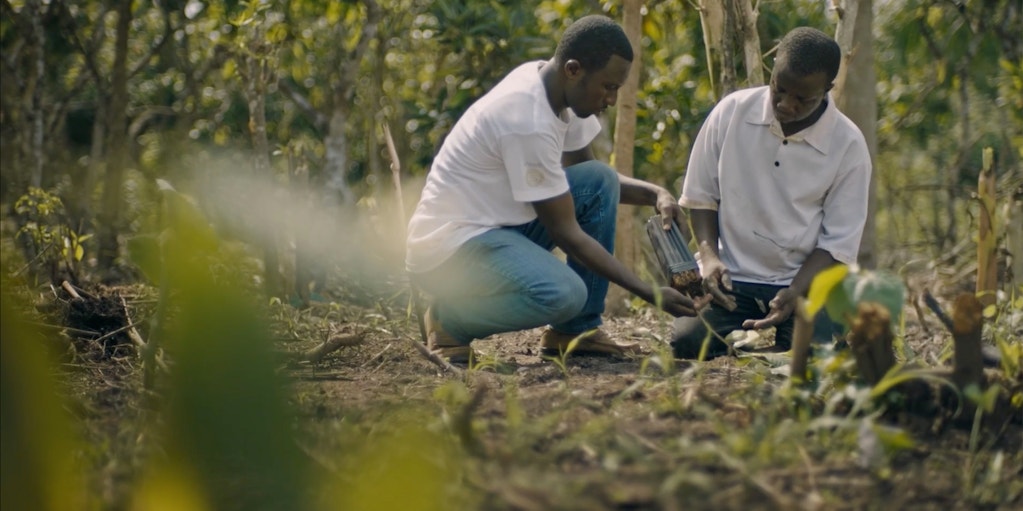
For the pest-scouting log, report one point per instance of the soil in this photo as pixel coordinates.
(533, 433)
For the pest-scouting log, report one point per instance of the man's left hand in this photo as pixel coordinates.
(782, 306)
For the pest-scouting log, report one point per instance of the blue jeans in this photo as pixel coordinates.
(752, 300)
(507, 279)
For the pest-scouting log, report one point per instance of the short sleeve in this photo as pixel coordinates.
(700, 189)
(533, 163)
(845, 206)
(581, 132)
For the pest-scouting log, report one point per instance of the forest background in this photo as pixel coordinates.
(269, 123)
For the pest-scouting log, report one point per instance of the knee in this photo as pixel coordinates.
(600, 176)
(563, 299)
(688, 336)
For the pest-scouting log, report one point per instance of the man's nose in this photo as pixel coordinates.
(611, 99)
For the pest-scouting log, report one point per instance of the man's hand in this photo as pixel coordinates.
(717, 280)
(678, 304)
(670, 211)
(782, 306)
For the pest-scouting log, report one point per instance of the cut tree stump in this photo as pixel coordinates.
(967, 325)
(870, 338)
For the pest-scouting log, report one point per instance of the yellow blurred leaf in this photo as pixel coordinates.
(171, 488)
(39, 446)
(822, 285)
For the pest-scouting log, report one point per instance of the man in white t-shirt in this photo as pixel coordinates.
(777, 191)
(515, 178)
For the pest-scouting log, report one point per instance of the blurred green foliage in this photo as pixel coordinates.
(950, 80)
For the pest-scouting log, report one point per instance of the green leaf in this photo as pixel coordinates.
(893, 439)
(822, 285)
(876, 286)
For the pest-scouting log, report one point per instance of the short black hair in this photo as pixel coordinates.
(806, 51)
(592, 40)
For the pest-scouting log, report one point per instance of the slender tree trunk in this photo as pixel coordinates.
(38, 115)
(955, 174)
(746, 23)
(81, 195)
(987, 236)
(728, 79)
(259, 74)
(855, 96)
(712, 21)
(117, 145)
(626, 247)
(335, 169)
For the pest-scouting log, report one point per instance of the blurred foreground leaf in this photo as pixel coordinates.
(37, 447)
(227, 429)
(840, 290)
(409, 467)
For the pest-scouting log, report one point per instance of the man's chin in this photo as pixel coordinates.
(583, 114)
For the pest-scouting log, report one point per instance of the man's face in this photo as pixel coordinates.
(592, 92)
(795, 97)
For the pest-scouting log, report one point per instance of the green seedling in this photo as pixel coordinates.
(561, 360)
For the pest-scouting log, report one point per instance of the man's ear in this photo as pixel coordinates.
(573, 69)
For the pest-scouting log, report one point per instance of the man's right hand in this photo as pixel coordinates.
(678, 304)
(716, 281)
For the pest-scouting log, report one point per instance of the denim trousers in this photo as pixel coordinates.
(507, 279)
(753, 302)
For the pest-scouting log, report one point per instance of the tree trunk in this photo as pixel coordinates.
(335, 168)
(746, 24)
(1012, 213)
(626, 247)
(117, 143)
(39, 61)
(712, 21)
(987, 237)
(258, 74)
(855, 96)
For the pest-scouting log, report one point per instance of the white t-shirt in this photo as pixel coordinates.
(778, 198)
(504, 153)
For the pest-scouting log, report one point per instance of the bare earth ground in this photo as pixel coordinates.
(521, 432)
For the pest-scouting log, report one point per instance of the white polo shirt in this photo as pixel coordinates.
(778, 198)
(503, 154)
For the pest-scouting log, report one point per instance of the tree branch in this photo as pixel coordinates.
(318, 119)
(350, 67)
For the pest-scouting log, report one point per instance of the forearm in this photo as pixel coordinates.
(705, 230)
(640, 193)
(817, 261)
(591, 254)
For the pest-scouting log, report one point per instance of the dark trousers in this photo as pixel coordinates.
(753, 300)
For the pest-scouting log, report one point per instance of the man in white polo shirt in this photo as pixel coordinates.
(777, 191)
(516, 177)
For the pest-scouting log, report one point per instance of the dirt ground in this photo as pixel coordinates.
(533, 433)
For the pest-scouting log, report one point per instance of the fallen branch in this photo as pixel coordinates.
(331, 345)
(378, 355)
(70, 290)
(435, 358)
(936, 309)
(65, 327)
(77, 292)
